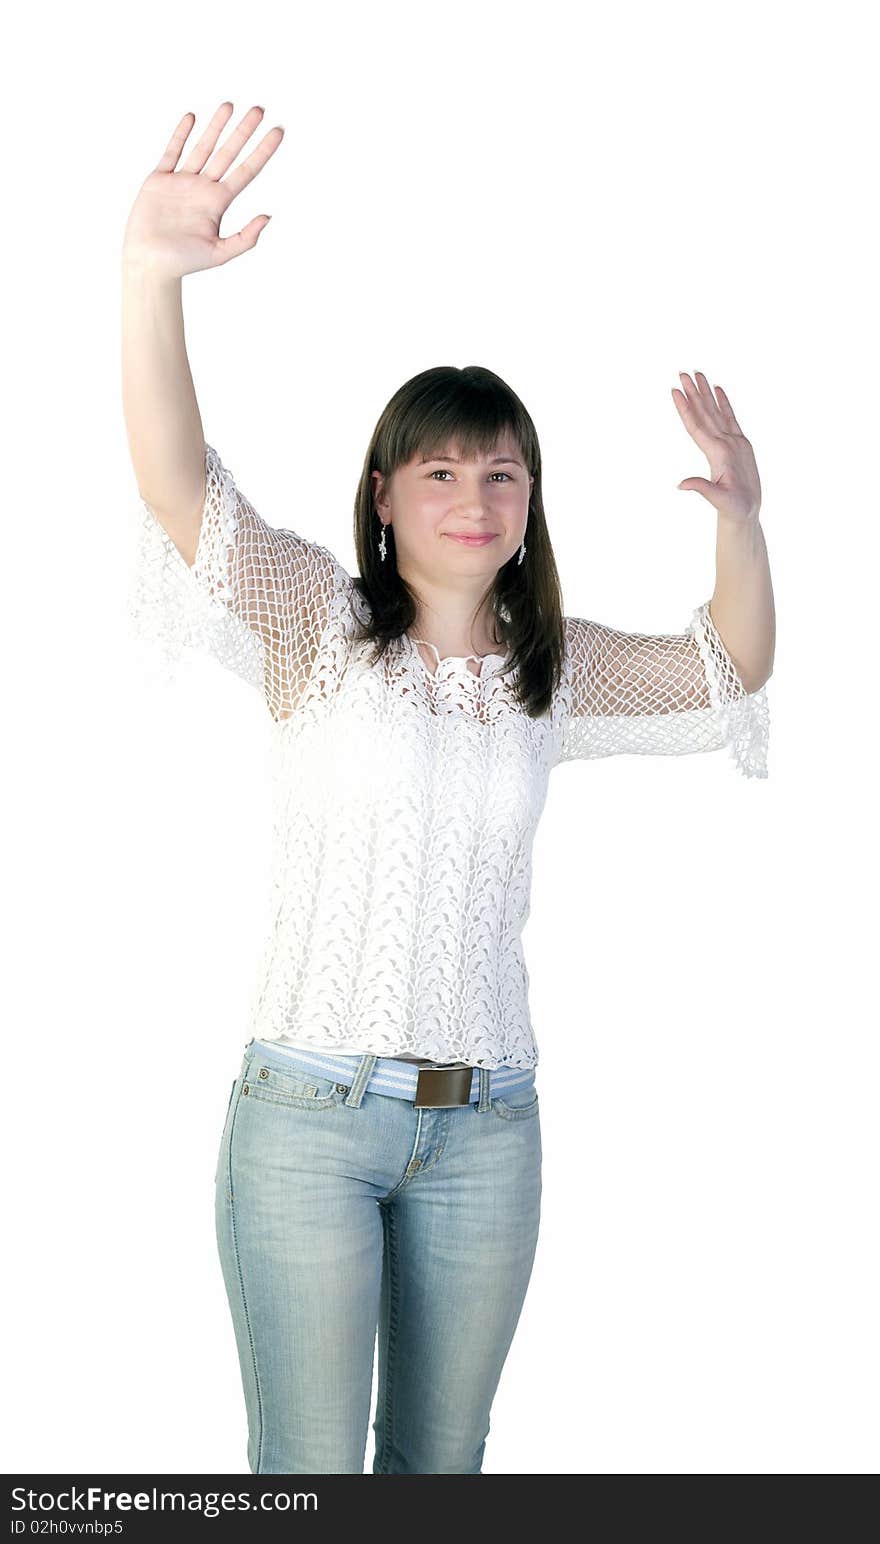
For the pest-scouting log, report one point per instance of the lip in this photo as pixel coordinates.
(471, 541)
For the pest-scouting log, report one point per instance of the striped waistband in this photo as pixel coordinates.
(390, 1075)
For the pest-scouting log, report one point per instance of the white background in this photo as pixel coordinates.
(586, 200)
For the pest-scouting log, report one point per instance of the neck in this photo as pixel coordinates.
(458, 618)
(450, 641)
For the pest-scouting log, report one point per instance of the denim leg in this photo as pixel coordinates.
(460, 1241)
(300, 1242)
(340, 1211)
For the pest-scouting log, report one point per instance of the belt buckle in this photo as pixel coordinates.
(440, 1088)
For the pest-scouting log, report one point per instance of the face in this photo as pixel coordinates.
(454, 516)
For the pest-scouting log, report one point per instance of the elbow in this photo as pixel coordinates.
(753, 680)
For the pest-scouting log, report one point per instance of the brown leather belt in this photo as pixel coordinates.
(441, 1087)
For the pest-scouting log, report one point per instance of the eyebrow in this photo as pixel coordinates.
(509, 460)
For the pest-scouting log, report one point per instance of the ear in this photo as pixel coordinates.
(378, 489)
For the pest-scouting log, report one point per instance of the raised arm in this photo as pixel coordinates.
(678, 692)
(162, 418)
(210, 572)
(173, 230)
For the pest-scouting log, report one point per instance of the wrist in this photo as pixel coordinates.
(139, 267)
(742, 522)
(739, 541)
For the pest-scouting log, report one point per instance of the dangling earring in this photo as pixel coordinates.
(522, 550)
(382, 548)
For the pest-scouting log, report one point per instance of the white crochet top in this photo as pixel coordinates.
(406, 797)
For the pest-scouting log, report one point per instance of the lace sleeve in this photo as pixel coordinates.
(256, 597)
(661, 694)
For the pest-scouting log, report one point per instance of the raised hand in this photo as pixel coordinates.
(174, 224)
(735, 488)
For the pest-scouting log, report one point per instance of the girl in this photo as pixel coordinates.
(380, 1162)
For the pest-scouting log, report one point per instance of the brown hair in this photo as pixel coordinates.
(472, 407)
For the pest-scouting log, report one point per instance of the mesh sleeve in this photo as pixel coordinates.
(661, 694)
(257, 598)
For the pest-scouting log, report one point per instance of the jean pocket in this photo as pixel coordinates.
(298, 1088)
(517, 1103)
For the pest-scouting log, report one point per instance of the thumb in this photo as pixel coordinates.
(696, 485)
(241, 241)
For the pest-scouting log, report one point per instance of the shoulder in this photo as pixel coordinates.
(581, 635)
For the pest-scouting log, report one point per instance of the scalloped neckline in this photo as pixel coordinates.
(451, 659)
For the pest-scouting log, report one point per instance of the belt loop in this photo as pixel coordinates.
(484, 1102)
(361, 1079)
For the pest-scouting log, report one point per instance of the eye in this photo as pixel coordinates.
(445, 469)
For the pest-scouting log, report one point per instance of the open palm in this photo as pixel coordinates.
(735, 487)
(174, 224)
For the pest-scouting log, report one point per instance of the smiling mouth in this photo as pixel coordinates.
(471, 541)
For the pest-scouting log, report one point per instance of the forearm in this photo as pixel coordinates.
(162, 419)
(742, 605)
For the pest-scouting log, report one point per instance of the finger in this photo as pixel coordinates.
(695, 414)
(726, 408)
(706, 396)
(688, 404)
(255, 162)
(200, 152)
(224, 157)
(169, 160)
(695, 420)
(700, 418)
(228, 247)
(704, 406)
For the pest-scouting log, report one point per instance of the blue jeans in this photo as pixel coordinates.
(341, 1212)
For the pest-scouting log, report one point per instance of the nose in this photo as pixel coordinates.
(472, 512)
